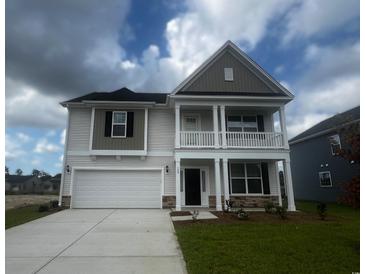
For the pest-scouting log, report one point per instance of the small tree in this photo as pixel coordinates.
(36, 172)
(7, 170)
(19, 172)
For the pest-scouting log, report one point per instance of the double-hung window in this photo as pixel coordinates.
(335, 144)
(246, 178)
(119, 124)
(242, 123)
(325, 179)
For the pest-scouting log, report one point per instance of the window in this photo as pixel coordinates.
(191, 122)
(246, 178)
(335, 144)
(325, 179)
(228, 74)
(119, 124)
(236, 123)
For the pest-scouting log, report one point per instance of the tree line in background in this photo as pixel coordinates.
(35, 172)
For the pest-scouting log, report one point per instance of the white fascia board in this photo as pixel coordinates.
(117, 152)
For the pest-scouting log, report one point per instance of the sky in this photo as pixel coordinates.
(58, 50)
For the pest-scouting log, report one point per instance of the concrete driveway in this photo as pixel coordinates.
(95, 241)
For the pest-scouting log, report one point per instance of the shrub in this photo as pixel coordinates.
(53, 204)
(351, 195)
(229, 205)
(322, 210)
(269, 207)
(43, 208)
(281, 211)
(242, 214)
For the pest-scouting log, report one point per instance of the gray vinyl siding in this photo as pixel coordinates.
(79, 129)
(161, 130)
(244, 80)
(126, 162)
(306, 160)
(100, 142)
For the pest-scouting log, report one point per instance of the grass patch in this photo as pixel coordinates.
(250, 247)
(21, 215)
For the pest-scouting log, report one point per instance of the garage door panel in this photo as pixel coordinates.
(117, 189)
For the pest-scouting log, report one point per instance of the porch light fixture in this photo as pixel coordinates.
(68, 170)
(166, 169)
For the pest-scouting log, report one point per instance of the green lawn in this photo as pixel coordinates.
(318, 247)
(21, 215)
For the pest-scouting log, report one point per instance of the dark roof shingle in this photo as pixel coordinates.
(124, 95)
(332, 122)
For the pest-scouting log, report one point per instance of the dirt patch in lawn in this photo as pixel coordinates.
(15, 201)
(180, 213)
(260, 217)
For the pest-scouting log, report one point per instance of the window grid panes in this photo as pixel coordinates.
(246, 178)
(335, 144)
(119, 124)
(325, 179)
(242, 123)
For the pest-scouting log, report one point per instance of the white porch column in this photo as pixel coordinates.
(289, 185)
(283, 126)
(223, 126)
(278, 180)
(177, 179)
(218, 193)
(177, 126)
(215, 126)
(225, 181)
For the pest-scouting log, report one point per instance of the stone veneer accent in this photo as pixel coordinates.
(168, 201)
(247, 201)
(66, 201)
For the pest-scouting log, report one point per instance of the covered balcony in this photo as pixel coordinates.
(205, 127)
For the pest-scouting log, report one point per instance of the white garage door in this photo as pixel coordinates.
(116, 189)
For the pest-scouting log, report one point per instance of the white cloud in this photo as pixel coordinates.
(63, 137)
(43, 146)
(313, 17)
(22, 137)
(279, 69)
(25, 106)
(13, 149)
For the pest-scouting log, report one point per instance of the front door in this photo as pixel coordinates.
(192, 186)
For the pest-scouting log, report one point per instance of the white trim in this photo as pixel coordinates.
(177, 126)
(75, 168)
(209, 62)
(283, 127)
(215, 126)
(238, 154)
(231, 97)
(65, 154)
(153, 153)
(322, 172)
(119, 124)
(145, 129)
(92, 128)
(228, 74)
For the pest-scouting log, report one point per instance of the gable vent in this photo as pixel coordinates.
(228, 74)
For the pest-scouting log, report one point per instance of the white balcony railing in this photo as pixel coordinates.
(254, 139)
(197, 139)
(205, 139)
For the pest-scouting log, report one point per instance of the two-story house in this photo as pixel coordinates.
(211, 139)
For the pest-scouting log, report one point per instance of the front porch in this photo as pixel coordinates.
(248, 183)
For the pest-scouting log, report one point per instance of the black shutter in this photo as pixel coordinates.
(108, 123)
(265, 178)
(130, 122)
(260, 123)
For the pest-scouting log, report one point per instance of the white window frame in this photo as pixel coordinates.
(228, 74)
(320, 182)
(125, 125)
(242, 127)
(245, 178)
(339, 142)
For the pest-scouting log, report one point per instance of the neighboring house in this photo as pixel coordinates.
(318, 170)
(211, 139)
(21, 184)
(49, 184)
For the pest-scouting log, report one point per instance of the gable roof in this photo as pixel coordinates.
(258, 71)
(332, 123)
(17, 179)
(123, 95)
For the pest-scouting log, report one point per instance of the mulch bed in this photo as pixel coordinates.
(259, 218)
(180, 213)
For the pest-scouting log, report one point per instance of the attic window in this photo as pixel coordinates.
(228, 74)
